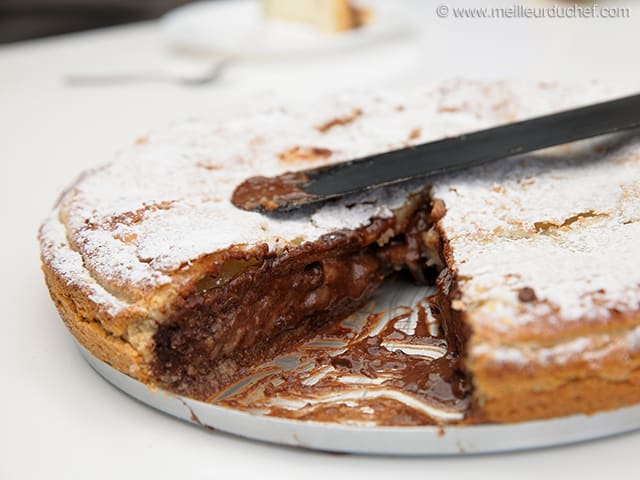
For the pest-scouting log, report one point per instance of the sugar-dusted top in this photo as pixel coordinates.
(163, 203)
(553, 236)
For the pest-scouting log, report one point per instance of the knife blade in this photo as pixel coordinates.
(293, 190)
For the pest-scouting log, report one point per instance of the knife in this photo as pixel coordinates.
(293, 190)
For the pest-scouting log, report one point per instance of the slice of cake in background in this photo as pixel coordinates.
(324, 15)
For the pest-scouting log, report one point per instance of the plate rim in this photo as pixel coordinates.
(428, 440)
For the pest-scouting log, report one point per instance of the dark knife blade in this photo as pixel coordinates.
(296, 189)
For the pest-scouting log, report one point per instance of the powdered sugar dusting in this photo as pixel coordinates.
(565, 227)
(69, 264)
(164, 202)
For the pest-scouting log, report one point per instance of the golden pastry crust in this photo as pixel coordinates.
(85, 322)
(584, 374)
(548, 393)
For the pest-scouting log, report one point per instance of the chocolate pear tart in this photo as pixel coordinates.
(535, 259)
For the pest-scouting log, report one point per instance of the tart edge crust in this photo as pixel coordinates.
(84, 320)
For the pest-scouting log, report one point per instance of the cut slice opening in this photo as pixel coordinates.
(253, 310)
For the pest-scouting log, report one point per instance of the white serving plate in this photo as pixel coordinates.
(237, 28)
(364, 438)
(427, 440)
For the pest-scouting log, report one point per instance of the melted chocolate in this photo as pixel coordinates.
(435, 381)
(221, 331)
(216, 334)
(363, 373)
(527, 294)
(268, 193)
(408, 251)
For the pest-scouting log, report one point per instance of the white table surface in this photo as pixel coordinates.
(59, 419)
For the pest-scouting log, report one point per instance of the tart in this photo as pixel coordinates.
(534, 258)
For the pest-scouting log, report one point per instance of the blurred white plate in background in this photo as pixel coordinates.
(237, 27)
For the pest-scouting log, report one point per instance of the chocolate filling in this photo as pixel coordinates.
(437, 380)
(219, 332)
(268, 193)
(378, 362)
